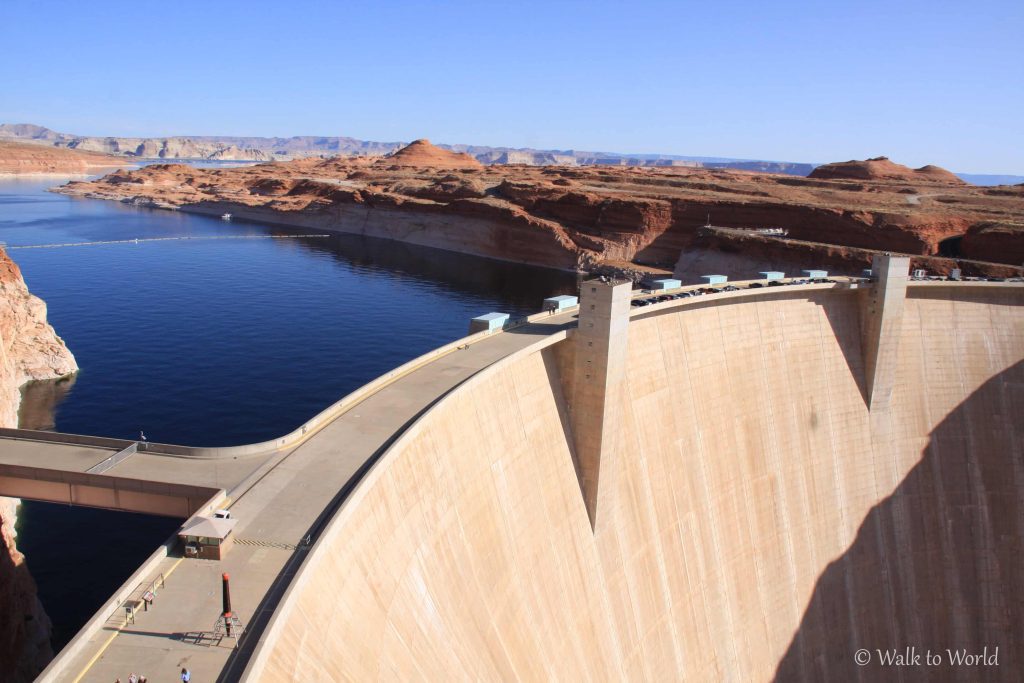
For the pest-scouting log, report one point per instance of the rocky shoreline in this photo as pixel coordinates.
(596, 219)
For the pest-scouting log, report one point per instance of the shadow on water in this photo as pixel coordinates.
(937, 564)
(79, 556)
(19, 611)
(40, 401)
(526, 286)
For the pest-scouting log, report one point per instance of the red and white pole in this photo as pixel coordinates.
(227, 603)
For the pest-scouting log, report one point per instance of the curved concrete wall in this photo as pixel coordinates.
(762, 521)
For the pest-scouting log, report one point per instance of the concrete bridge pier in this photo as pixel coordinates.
(597, 398)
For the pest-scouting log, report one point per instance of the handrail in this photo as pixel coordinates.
(115, 459)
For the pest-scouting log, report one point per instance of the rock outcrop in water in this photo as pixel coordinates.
(631, 220)
(29, 350)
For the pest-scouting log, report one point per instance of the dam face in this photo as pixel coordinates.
(756, 519)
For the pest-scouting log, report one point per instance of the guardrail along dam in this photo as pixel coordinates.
(746, 486)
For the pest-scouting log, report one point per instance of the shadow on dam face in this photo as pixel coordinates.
(937, 566)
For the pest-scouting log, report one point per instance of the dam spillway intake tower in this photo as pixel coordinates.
(600, 342)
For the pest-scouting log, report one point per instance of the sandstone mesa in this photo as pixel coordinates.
(22, 158)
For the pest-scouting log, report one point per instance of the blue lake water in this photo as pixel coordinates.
(216, 342)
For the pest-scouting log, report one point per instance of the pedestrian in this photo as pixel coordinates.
(132, 678)
(142, 678)
(186, 676)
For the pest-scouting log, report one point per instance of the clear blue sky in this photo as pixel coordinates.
(921, 82)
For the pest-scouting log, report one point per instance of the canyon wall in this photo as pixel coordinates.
(593, 217)
(758, 521)
(741, 255)
(29, 350)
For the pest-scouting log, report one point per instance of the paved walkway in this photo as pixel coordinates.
(292, 500)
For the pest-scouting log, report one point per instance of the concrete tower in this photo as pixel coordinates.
(882, 326)
(601, 341)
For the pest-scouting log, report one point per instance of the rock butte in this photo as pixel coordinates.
(422, 153)
(633, 221)
(881, 168)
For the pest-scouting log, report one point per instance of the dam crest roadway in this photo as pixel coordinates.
(297, 498)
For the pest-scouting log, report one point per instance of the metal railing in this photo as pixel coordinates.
(115, 459)
(144, 595)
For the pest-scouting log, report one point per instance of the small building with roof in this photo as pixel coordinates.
(207, 538)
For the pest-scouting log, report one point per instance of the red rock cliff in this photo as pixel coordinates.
(29, 350)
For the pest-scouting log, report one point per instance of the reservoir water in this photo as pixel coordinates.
(214, 342)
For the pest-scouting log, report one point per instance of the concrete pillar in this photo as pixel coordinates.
(597, 400)
(882, 325)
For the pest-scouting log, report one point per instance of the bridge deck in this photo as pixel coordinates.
(286, 501)
(156, 467)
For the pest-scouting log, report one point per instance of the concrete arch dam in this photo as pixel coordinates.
(740, 487)
(750, 486)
